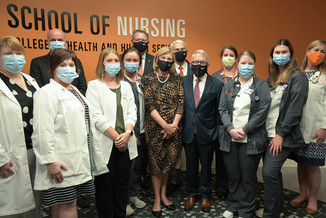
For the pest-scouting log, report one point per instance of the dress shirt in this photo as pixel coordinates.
(201, 84)
(184, 68)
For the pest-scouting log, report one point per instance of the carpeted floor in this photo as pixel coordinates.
(217, 209)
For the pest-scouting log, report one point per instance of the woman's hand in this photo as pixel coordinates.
(276, 145)
(121, 142)
(320, 135)
(235, 134)
(54, 170)
(6, 170)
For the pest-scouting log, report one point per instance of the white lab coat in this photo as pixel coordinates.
(103, 101)
(314, 111)
(16, 195)
(60, 134)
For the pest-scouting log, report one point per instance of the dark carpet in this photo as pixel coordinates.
(218, 206)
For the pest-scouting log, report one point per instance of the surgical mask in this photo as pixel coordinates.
(164, 65)
(141, 46)
(281, 60)
(67, 74)
(246, 70)
(112, 69)
(131, 67)
(57, 44)
(316, 58)
(180, 56)
(228, 61)
(199, 70)
(13, 63)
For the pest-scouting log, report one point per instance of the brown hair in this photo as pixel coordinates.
(12, 42)
(322, 66)
(100, 69)
(247, 53)
(132, 49)
(58, 56)
(290, 67)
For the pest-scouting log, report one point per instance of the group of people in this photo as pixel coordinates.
(69, 139)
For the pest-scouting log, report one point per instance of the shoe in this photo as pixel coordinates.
(260, 212)
(144, 182)
(129, 210)
(205, 204)
(83, 201)
(190, 203)
(137, 202)
(295, 203)
(169, 207)
(157, 213)
(311, 211)
(227, 214)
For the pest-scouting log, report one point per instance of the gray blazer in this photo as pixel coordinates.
(291, 109)
(255, 128)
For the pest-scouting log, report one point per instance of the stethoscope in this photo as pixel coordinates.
(237, 82)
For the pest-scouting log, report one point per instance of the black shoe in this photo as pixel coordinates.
(169, 207)
(83, 201)
(157, 213)
(144, 182)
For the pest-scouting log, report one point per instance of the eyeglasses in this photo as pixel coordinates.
(202, 63)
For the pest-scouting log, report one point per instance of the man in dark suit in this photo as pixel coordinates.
(182, 67)
(40, 66)
(200, 132)
(140, 42)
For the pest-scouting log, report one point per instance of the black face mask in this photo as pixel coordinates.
(199, 70)
(164, 65)
(141, 46)
(180, 56)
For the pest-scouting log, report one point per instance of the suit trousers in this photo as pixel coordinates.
(196, 152)
(112, 187)
(221, 176)
(242, 178)
(273, 182)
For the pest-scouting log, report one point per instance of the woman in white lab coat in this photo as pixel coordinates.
(114, 142)
(17, 160)
(61, 138)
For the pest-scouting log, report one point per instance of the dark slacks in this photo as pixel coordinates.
(273, 182)
(141, 165)
(112, 187)
(242, 178)
(221, 176)
(196, 152)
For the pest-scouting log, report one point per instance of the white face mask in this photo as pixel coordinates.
(228, 61)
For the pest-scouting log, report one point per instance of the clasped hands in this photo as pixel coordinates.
(121, 142)
(237, 134)
(169, 130)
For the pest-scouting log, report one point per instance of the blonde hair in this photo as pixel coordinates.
(12, 42)
(322, 66)
(161, 52)
(100, 69)
(202, 52)
(290, 67)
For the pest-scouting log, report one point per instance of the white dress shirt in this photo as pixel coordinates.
(184, 68)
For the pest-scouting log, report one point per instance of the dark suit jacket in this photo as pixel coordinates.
(206, 115)
(40, 72)
(148, 64)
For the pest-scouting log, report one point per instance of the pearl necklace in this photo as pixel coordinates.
(158, 78)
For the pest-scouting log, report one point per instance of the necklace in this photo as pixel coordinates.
(158, 78)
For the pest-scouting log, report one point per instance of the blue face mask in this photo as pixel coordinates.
(131, 67)
(246, 70)
(13, 63)
(67, 74)
(57, 44)
(281, 60)
(112, 69)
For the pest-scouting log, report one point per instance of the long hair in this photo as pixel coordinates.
(322, 66)
(100, 69)
(290, 67)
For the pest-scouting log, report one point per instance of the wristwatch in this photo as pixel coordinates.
(130, 132)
